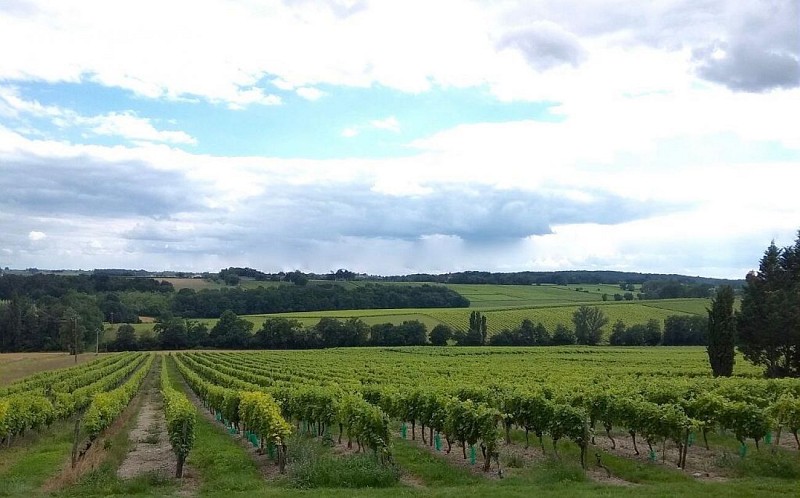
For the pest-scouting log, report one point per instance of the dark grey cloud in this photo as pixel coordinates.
(760, 40)
(544, 45)
(296, 217)
(762, 51)
(750, 68)
(84, 186)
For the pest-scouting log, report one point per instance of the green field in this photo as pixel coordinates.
(492, 296)
(505, 306)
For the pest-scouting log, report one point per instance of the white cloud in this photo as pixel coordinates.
(642, 111)
(129, 126)
(389, 124)
(310, 93)
(35, 235)
(299, 45)
(240, 99)
(124, 124)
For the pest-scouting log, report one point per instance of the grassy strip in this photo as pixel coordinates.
(222, 464)
(431, 469)
(26, 466)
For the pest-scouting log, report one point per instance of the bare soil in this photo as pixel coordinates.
(150, 450)
(700, 462)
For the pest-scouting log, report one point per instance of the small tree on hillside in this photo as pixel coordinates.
(440, 335)
(589, 322)
(721, 333)
(563, 336)
(477, 323)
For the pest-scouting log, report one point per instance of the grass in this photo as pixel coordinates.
(29, 462)
(312, 465)
(431, 469)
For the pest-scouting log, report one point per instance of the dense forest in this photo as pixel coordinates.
(211, 303)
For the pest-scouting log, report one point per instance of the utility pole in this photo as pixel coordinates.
(75, 337)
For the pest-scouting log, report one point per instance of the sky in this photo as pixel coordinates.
(395, 137)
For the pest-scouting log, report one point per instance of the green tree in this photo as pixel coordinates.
(768, 323)
(589, 322)
(231, 331)
(126, 338)
(440, 334)
(618, 334)
(196, 334)
(563, 336)
(721, 333)
(477, 325)
(171, 333)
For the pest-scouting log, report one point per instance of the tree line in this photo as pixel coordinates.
(568, 277)
(45, 284)
(211, 303)
(60, 312)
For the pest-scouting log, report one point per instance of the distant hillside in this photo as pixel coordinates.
(558, 278)
(569, 277)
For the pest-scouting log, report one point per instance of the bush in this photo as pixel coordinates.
(311, 465)
(355, 471)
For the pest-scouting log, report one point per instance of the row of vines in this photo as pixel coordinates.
(38, 401)
(466, 409)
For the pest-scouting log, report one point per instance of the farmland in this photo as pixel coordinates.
(505, 306)
(375, 397)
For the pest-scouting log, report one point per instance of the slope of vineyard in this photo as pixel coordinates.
(469, 397)
(37, 401)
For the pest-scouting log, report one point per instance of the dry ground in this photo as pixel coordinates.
(15, 366)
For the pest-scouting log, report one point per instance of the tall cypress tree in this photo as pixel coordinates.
(768, 325)
(721, 333)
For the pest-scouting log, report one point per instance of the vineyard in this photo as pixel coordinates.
(426, 420)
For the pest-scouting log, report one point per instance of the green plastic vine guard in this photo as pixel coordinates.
(472, 455)
(652, 456)
(691, 439)
(437, 441)
(254, 440)
(743, 450)
(768, 438)
(271, 450)
(404, 431)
